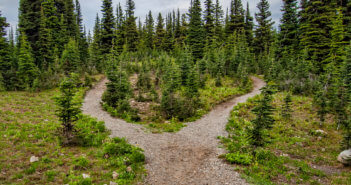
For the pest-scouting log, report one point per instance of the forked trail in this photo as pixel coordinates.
(187, 157)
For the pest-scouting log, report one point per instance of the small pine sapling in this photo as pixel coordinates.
(286, 109)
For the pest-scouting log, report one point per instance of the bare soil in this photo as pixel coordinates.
(189, 156)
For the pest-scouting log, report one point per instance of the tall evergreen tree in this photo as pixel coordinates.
(209, 20)
(5, 57)
(169, 39)
(236, 22)
(249, 26)
(46, 43)
(120, 29)
(218, 22)
(70, 20)
(263, 32)
(150, 31)
(160, 33)
(288, 36)
(70, 61)
(131, 28)
(196, 31)
(107, 26)
(27, 70)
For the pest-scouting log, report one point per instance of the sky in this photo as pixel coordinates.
(90, 8)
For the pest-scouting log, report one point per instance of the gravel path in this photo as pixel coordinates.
(187, 157)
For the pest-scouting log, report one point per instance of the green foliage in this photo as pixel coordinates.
(68, 111)
(80, 163)
(263, 33)
(286, 109)
(264, 117)
(131, 28)
(70, 61)
(238, 158)
(107, 27)
(196, 33)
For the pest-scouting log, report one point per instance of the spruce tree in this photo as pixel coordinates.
(82, 40)
(236, 22)
(286, 109)
(70, 61)
(315, 32)
(120, 32)
(107, 27)
(196, 31)
(249, 26)
(27, 70)
(218, 22)
(264, 117)
(5, 57)
(150, 31)
(288, 36)
(169, 39)
(70, 20)
(131, 28)
(209, 20)
(68, 110)
(263, 32)
(160, 33)
(46, 43)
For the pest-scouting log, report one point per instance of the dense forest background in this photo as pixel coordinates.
(177, 53)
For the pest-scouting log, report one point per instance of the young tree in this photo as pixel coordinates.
(263, 32)
(286, 109)
(264, 117)
(68, 110)
(196, 32)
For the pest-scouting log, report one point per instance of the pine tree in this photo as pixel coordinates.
(315, 32)
(169, 39)
(218, 22)
(46, 43)
(264, 117)
(5, 57)
(120, 32)
(68, 110)
(70, 20)
(27, 71)
(131, 28)
(288, 36)
(107, 27)
(29, 23)
(70, 61)
(263, 32)
(82, 40)
(236, 18)
(249, 26)
(209, 20)
(150, 31)
(286, 109)
(160, 33)
(196, 32)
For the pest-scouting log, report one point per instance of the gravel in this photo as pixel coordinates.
(189, 156)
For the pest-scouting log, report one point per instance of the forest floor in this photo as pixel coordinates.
(189, 156)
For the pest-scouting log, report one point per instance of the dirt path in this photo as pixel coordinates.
(187, 157)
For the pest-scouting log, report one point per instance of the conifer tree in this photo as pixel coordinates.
(315, 32)
(218, 22)
(27, 70)
(236, 18)
(5, 57)
(288, 36)
(68, 110)
(196, 32)
(177, 31)
(70, 61)
(83, 45)
(70, 20)
(263, 32)
(249, 26)
(160, 33)
(264, 117)
(131, 28)
(46, 43)
(107, 27)
(120, 32)
(150, 31)
(209, 20)
(286, 110)
(169, 39)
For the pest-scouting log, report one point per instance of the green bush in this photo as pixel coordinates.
(239, 158)
(80, 163)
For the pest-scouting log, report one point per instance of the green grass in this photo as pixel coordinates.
(28, 127)
(294, 154)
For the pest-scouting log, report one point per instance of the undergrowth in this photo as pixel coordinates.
(297, 152)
